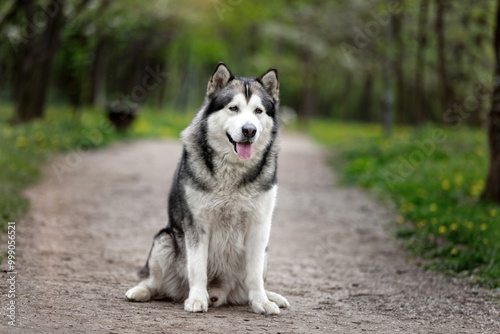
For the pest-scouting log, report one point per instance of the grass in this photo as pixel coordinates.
(434, 177)
(25, 148)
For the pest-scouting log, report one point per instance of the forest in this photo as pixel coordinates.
(425, 61)
(375, 79)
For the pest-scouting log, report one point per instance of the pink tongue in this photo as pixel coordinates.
(244, 150)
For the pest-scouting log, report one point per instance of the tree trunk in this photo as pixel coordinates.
(307, 104)
(365, 107)
(492, 188)
(36, 55)
(420, 116)
(98, 75)
(387, 94)
(402, 108)
(443, 75)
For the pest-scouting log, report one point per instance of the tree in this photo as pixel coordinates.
(442, 68)
(36, 54)
(492, 188)
(420, 67)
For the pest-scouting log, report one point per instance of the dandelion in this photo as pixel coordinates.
(474, 191)
(39, 136)
(453, 227)
(21, 142)
(476, 188)
(442, 229)
(483, 227)
(445, 184)
(453, 252)
(433, 207)
(469, 224)
(459, 179)
(493, 212)
(422, 192)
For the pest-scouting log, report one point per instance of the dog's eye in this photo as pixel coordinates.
(233, 108)
(258, 111)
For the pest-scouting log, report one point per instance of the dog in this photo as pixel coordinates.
(213, 251)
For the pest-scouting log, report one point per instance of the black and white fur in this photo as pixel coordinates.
(214, 249)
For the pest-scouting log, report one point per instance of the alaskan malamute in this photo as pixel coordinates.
(214, 248)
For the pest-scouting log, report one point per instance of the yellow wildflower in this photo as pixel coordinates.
(459, 179)
(421, 192)
(433, 207)
(445, 184)
(39, 136)
(442, 229)
(493, 213)
(469, 224)
(453, 252)
(485, 241)
(474, 191)
(453, 227)
(483, 227)
(400, 219)
(21, 142)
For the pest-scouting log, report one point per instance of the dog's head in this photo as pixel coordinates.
(241, 112)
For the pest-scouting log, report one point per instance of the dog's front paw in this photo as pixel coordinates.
(196, 305)
(264, 307)
(278, 299)
(138, 294)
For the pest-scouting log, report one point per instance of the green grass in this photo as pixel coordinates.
(25, 148)
(434, 177)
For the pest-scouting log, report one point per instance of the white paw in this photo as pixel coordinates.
(278, 299)
(138, 294)
(265, 307)
(196, 305)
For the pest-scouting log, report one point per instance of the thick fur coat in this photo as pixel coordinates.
(214, 248)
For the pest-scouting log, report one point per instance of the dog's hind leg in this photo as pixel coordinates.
(160, 278)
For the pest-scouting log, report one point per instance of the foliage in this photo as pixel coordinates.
(330, 54)
(25, 148)
(434, 177)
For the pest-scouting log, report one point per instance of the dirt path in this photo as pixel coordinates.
(86, 237)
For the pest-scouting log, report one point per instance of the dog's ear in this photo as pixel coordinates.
(219, 79)
(270, 82)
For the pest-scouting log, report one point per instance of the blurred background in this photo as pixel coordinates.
(343, 59)
(401, 91)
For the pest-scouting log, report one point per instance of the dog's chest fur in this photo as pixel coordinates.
(225, 212)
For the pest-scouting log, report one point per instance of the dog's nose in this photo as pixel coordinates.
(249, 130)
